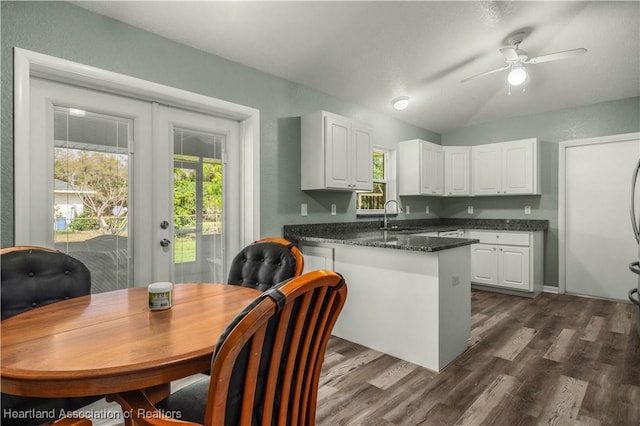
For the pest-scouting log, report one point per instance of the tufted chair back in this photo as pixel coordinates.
(265, 263)
(33, 276)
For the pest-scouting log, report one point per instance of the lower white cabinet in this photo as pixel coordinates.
(316, 257)
(508, 259)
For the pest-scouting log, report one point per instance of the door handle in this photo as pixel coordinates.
(164, 242)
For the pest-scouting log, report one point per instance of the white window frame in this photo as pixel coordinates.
(28, 63)
(390, 179)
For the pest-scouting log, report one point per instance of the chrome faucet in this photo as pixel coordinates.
(386, 223)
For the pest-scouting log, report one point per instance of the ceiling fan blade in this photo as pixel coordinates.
(557, 56)
(485, 73)
(510, 53)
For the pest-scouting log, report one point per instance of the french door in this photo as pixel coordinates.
(203, 205)
(135, 190)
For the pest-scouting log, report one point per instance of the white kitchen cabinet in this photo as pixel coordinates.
(506, 168)
(508, 259)
(420, 168)
(336, 153)
(457, 171)
(484, 264)
(317, 256)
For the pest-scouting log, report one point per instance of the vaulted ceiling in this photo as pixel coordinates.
(371, 52)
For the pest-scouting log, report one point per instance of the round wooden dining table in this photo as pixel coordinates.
(112, 342)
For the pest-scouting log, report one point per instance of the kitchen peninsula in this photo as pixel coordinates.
(409, 290)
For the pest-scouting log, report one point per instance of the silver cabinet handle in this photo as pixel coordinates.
(634, 300)
(635, 267)
(632, 207)
(164, 242)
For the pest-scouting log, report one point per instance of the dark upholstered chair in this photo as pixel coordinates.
(34, 276)
(266, 366)
(265, 263)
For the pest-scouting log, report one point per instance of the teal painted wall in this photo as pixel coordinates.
(602, 119)
(66, 31)
(69, 32)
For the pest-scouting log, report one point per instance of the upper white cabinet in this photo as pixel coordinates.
(420, 168)
(506, 168)
(457, 171)
(336, 153)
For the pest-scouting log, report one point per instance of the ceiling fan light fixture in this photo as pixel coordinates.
(517, 75)
(400, 103)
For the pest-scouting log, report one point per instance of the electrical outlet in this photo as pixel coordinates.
(407, 209)
(333, 209)
(426, 210)
(527, 209)
(470, 209)
(303, 209)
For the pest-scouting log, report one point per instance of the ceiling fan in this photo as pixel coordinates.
(517, 59)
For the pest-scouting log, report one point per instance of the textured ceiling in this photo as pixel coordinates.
(370, 52)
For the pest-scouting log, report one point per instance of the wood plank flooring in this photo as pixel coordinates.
(553, 360)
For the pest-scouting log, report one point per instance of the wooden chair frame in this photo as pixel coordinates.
(321, 294)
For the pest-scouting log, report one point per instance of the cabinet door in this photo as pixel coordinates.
(457, 171)
(517, 167)
(317, 257)
(425, 176)
(513, 263)
(437, 170)
(484, 264)
(338, 146)
(486, 169)
(362, 158)
(431, 169)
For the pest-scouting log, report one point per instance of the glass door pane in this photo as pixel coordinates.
(197, 202)
(91, 193)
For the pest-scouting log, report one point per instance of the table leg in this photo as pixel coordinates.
(153, 394)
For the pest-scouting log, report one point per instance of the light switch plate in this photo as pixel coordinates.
(527, 209)
(470, 209)
(408, 209)
(426, 210)
(303, 209)
(333, 209)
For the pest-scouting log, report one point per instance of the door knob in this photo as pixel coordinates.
(164, 242)
(164, 224)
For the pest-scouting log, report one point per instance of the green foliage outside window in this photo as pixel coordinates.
(375, 199)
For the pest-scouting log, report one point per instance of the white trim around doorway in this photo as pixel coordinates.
(28, 64)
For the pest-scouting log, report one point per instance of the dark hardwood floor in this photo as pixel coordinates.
(556, 360)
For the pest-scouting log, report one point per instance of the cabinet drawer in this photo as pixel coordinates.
(501, 237)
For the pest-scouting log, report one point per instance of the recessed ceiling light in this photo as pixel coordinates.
(400, 103)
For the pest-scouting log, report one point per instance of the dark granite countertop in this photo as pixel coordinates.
(402, 236)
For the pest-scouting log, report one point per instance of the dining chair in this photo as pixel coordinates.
(33, 276)
(265, 263)
(266, 365)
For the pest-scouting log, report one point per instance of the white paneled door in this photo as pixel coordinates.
(598, 240)
(137, 191)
